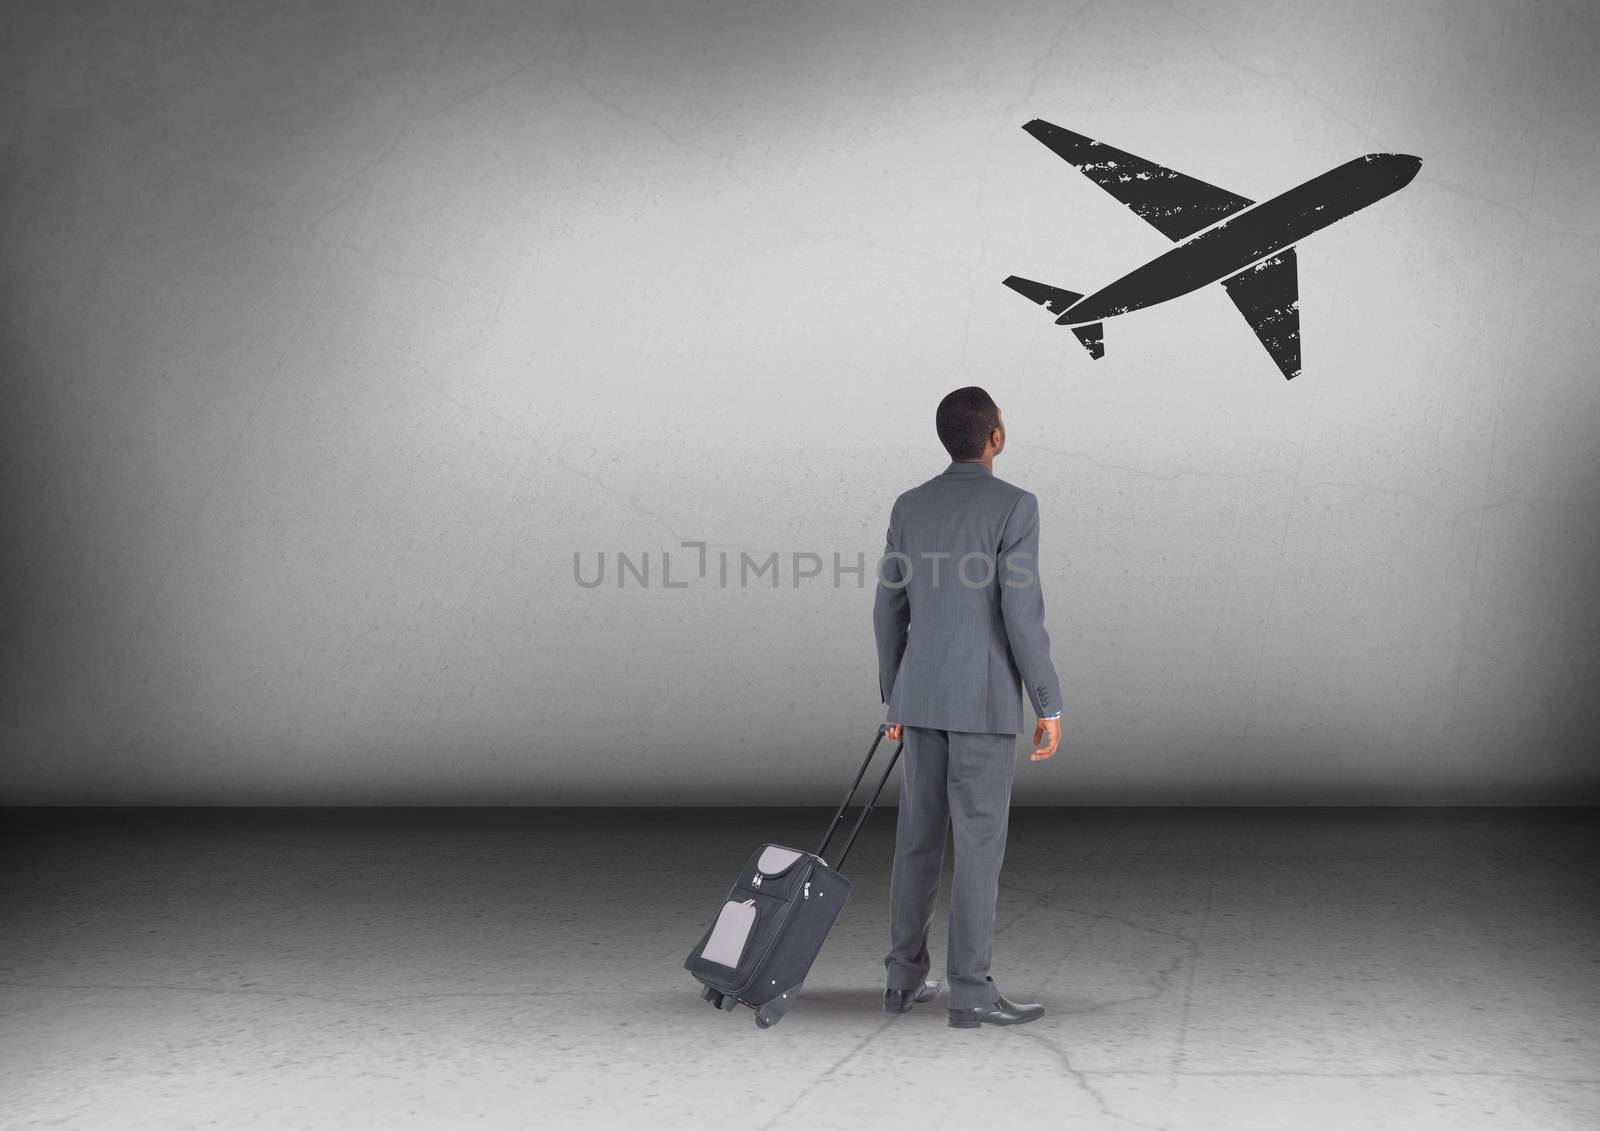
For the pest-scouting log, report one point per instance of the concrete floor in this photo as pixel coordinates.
(502, 968)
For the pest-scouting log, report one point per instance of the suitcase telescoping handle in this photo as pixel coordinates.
(838, 818)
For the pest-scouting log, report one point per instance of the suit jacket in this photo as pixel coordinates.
(958, 614)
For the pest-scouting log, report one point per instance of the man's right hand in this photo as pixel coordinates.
(892, 732)
(1046, 737)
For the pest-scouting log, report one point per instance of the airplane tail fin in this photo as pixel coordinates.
(1056, 300)
(1093, 338)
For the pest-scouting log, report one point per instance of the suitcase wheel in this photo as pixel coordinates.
(772, 1012)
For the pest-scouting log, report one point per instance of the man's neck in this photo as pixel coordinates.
(985, 461)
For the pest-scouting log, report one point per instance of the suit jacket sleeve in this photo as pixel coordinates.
(1022, 606)
(891, 608)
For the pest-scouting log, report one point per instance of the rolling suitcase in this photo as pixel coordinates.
(760, 947)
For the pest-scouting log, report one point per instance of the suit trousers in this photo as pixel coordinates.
(962, 781)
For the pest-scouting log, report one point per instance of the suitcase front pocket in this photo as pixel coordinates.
(730, 934)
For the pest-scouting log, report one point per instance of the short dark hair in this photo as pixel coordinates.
(964, 420)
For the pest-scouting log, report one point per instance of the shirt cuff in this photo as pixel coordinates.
(1047, 718)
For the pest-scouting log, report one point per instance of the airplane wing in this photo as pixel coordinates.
(1268, 295)
(1173, 204)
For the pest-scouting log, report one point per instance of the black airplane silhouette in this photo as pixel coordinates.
(1220, 236)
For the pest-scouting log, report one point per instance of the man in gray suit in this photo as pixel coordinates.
(959, 619)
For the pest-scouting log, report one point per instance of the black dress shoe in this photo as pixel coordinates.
(901, 1001)
(1002, 1012)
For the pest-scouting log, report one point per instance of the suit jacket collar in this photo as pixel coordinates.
(959, 468)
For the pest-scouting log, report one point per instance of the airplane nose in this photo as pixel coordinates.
(1407, 166)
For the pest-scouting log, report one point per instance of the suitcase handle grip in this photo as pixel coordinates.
(838, 817)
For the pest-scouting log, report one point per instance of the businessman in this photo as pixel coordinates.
(959, 621)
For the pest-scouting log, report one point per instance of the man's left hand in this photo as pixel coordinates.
(1046, 737)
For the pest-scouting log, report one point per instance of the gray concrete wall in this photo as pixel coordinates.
(333, 330)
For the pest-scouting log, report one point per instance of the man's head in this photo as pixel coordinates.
(969, 425)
